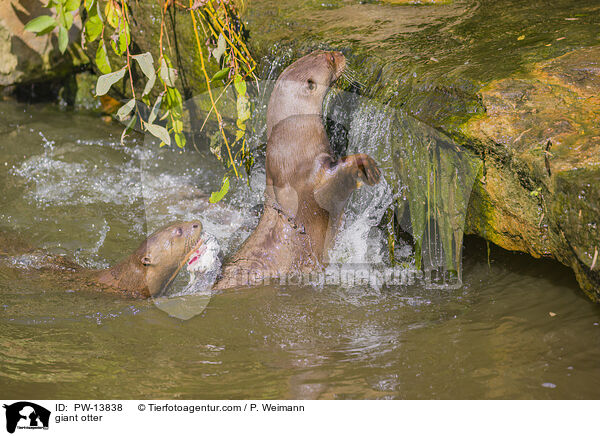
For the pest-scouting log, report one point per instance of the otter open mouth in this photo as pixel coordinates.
(193, 263)
(195, 249)
(204, 258)
(196, 254)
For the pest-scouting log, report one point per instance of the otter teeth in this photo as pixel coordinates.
(205, 258)
(199, 252)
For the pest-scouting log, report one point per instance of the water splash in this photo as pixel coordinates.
(360, 240)
(428, 182)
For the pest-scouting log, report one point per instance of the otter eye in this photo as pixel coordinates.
(311, 84)
(146, 260)
(179, 231)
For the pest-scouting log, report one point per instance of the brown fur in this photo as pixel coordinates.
(306, 190)
(147, 272)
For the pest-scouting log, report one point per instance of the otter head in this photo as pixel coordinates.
(152, 267)
(300, 89)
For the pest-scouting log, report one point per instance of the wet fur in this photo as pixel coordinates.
(131, 277)
(306, 190)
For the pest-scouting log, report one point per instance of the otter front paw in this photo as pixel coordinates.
(368, 172)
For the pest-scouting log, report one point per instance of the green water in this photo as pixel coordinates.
(518, 328)
(70, 187)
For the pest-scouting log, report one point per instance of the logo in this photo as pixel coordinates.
(26, 415)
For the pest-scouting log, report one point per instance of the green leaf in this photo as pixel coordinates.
(180, 140)
(107, 80)
(220, 50)
(98, 10)
(165, 115)
(146, 63)
(124, 37)
(168, 75)
(174, 100)
(243, 108)
(65, 19)
(120, 45)
(159, 131)
(112, 14)
(89, 4)
(177, 126)
(536, 193)
(219, 75)
(239, 84)
(93, 25)
(240, 124)
(114, 45)
(215, 197)
(155, 109)
(102, 59)
(63, 39)
(40, 24)
(128, 127)
(93, 28)
(71, 5)
(125, 109)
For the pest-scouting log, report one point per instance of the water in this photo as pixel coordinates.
(70, 187)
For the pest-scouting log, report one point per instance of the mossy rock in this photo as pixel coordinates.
(545, 124)
(179, 44)
(28, 58)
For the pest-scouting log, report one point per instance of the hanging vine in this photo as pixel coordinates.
(109, 21)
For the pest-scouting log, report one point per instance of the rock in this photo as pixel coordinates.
(541, 191)
(26, 57)
(86, 90)
(78, 92)
(181, 49)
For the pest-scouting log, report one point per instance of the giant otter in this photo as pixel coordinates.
(147, 272)
(306, 189)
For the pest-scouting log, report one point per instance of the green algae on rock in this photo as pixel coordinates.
(543, 126)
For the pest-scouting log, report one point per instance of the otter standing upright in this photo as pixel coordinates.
(306, 189)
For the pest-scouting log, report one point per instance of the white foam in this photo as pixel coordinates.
(204, 266)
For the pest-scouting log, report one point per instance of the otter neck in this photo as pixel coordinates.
(279, 111)
(128, 276)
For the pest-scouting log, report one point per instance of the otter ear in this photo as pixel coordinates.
(146, 260)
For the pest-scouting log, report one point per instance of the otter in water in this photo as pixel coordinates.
(306, 189)
(147, 272)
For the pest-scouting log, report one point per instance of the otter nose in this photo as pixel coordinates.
(338, 56)
(339, 61)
